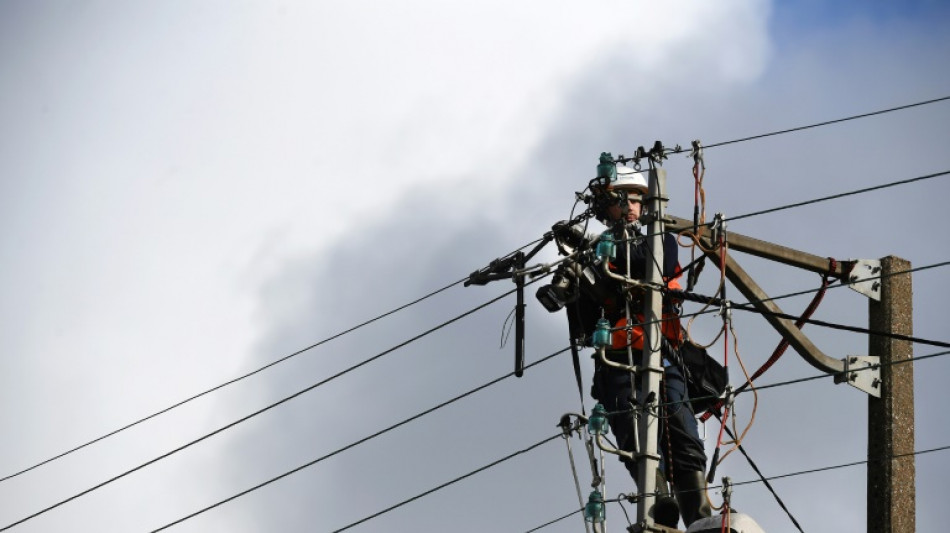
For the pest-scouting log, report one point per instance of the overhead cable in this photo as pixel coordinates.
(770, 478)
(845, 465)
(244, 376)
(820, 376)
(794, 381)
(446, 484)
(842, 327)
(259, 411)
(828, 122)
(232, 381)
(358, 442)
(748, 307)
(760, 388)
(556, 520)
(841, 195)
(765, 482)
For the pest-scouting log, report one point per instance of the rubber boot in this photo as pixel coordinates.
(665, 511)
(691, 495)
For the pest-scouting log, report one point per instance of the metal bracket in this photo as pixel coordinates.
(865, 278)
(862, 372)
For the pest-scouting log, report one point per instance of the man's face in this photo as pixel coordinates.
(633, 209)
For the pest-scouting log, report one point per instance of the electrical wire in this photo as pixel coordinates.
(796, 381)
(765, 482)
(882, 276)
(260, 411)
(748, 307)
(447, 483)
(245, 376)
(773, 478)
(842, 195)
(232, 381)
(556, 520)
(845, 465)
(361, 441)
(824, 198)
(853, 329)
(713, 145)
(828, 122)
(820, 376)
(737, 442)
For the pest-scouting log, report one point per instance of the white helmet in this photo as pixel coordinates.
(629, 180)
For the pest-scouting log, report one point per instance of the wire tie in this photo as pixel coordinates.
(730, 398)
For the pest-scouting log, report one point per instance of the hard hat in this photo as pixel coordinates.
(629, 179)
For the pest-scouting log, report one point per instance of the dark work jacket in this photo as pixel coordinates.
(606, 299)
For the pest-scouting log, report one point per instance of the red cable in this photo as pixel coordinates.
(784, 344)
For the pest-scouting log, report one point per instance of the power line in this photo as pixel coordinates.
(824, 376)
(820, 376)
(244, 376)
(267, 408)
(800, 205)
(232, 381)
(762, 477)
(880, 277)
(845, 465)
(446, 484)
(828, 122)
(842, 327)
(822, 199)
(771, 478)
(748, 307)
(842, 195)
(556, 520)
(356, 443)
(795, 381)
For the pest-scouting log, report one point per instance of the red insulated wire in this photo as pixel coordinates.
(784, 344)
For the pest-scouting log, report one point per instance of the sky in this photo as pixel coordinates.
(190, 191)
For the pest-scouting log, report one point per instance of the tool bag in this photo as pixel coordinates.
(706, 379)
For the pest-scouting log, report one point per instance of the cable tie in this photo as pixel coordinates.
(697, 152)
(726, 490)
(725, 311)
(730, 398)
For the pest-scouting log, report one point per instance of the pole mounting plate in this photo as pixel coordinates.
(865, 278)
(863, 373)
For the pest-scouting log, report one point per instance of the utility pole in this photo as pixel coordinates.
(891, 493)
(652, 369)
(885, 374)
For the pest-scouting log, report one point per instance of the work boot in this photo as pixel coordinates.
(665, 511)
(690, 488)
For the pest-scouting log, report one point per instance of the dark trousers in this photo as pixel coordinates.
(679, 443)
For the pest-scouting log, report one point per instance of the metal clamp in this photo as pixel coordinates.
(863, 373)
(865, 277)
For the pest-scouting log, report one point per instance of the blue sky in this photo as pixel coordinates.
(188, 193)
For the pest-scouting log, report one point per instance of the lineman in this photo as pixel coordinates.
(683, 459)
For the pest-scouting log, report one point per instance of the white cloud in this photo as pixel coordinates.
(163, 162)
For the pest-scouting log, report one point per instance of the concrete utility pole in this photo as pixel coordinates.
(891, 471)
(652, 372)
(885, 374)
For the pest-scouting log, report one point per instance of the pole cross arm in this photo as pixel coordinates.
(774, 252)
(760, 300)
